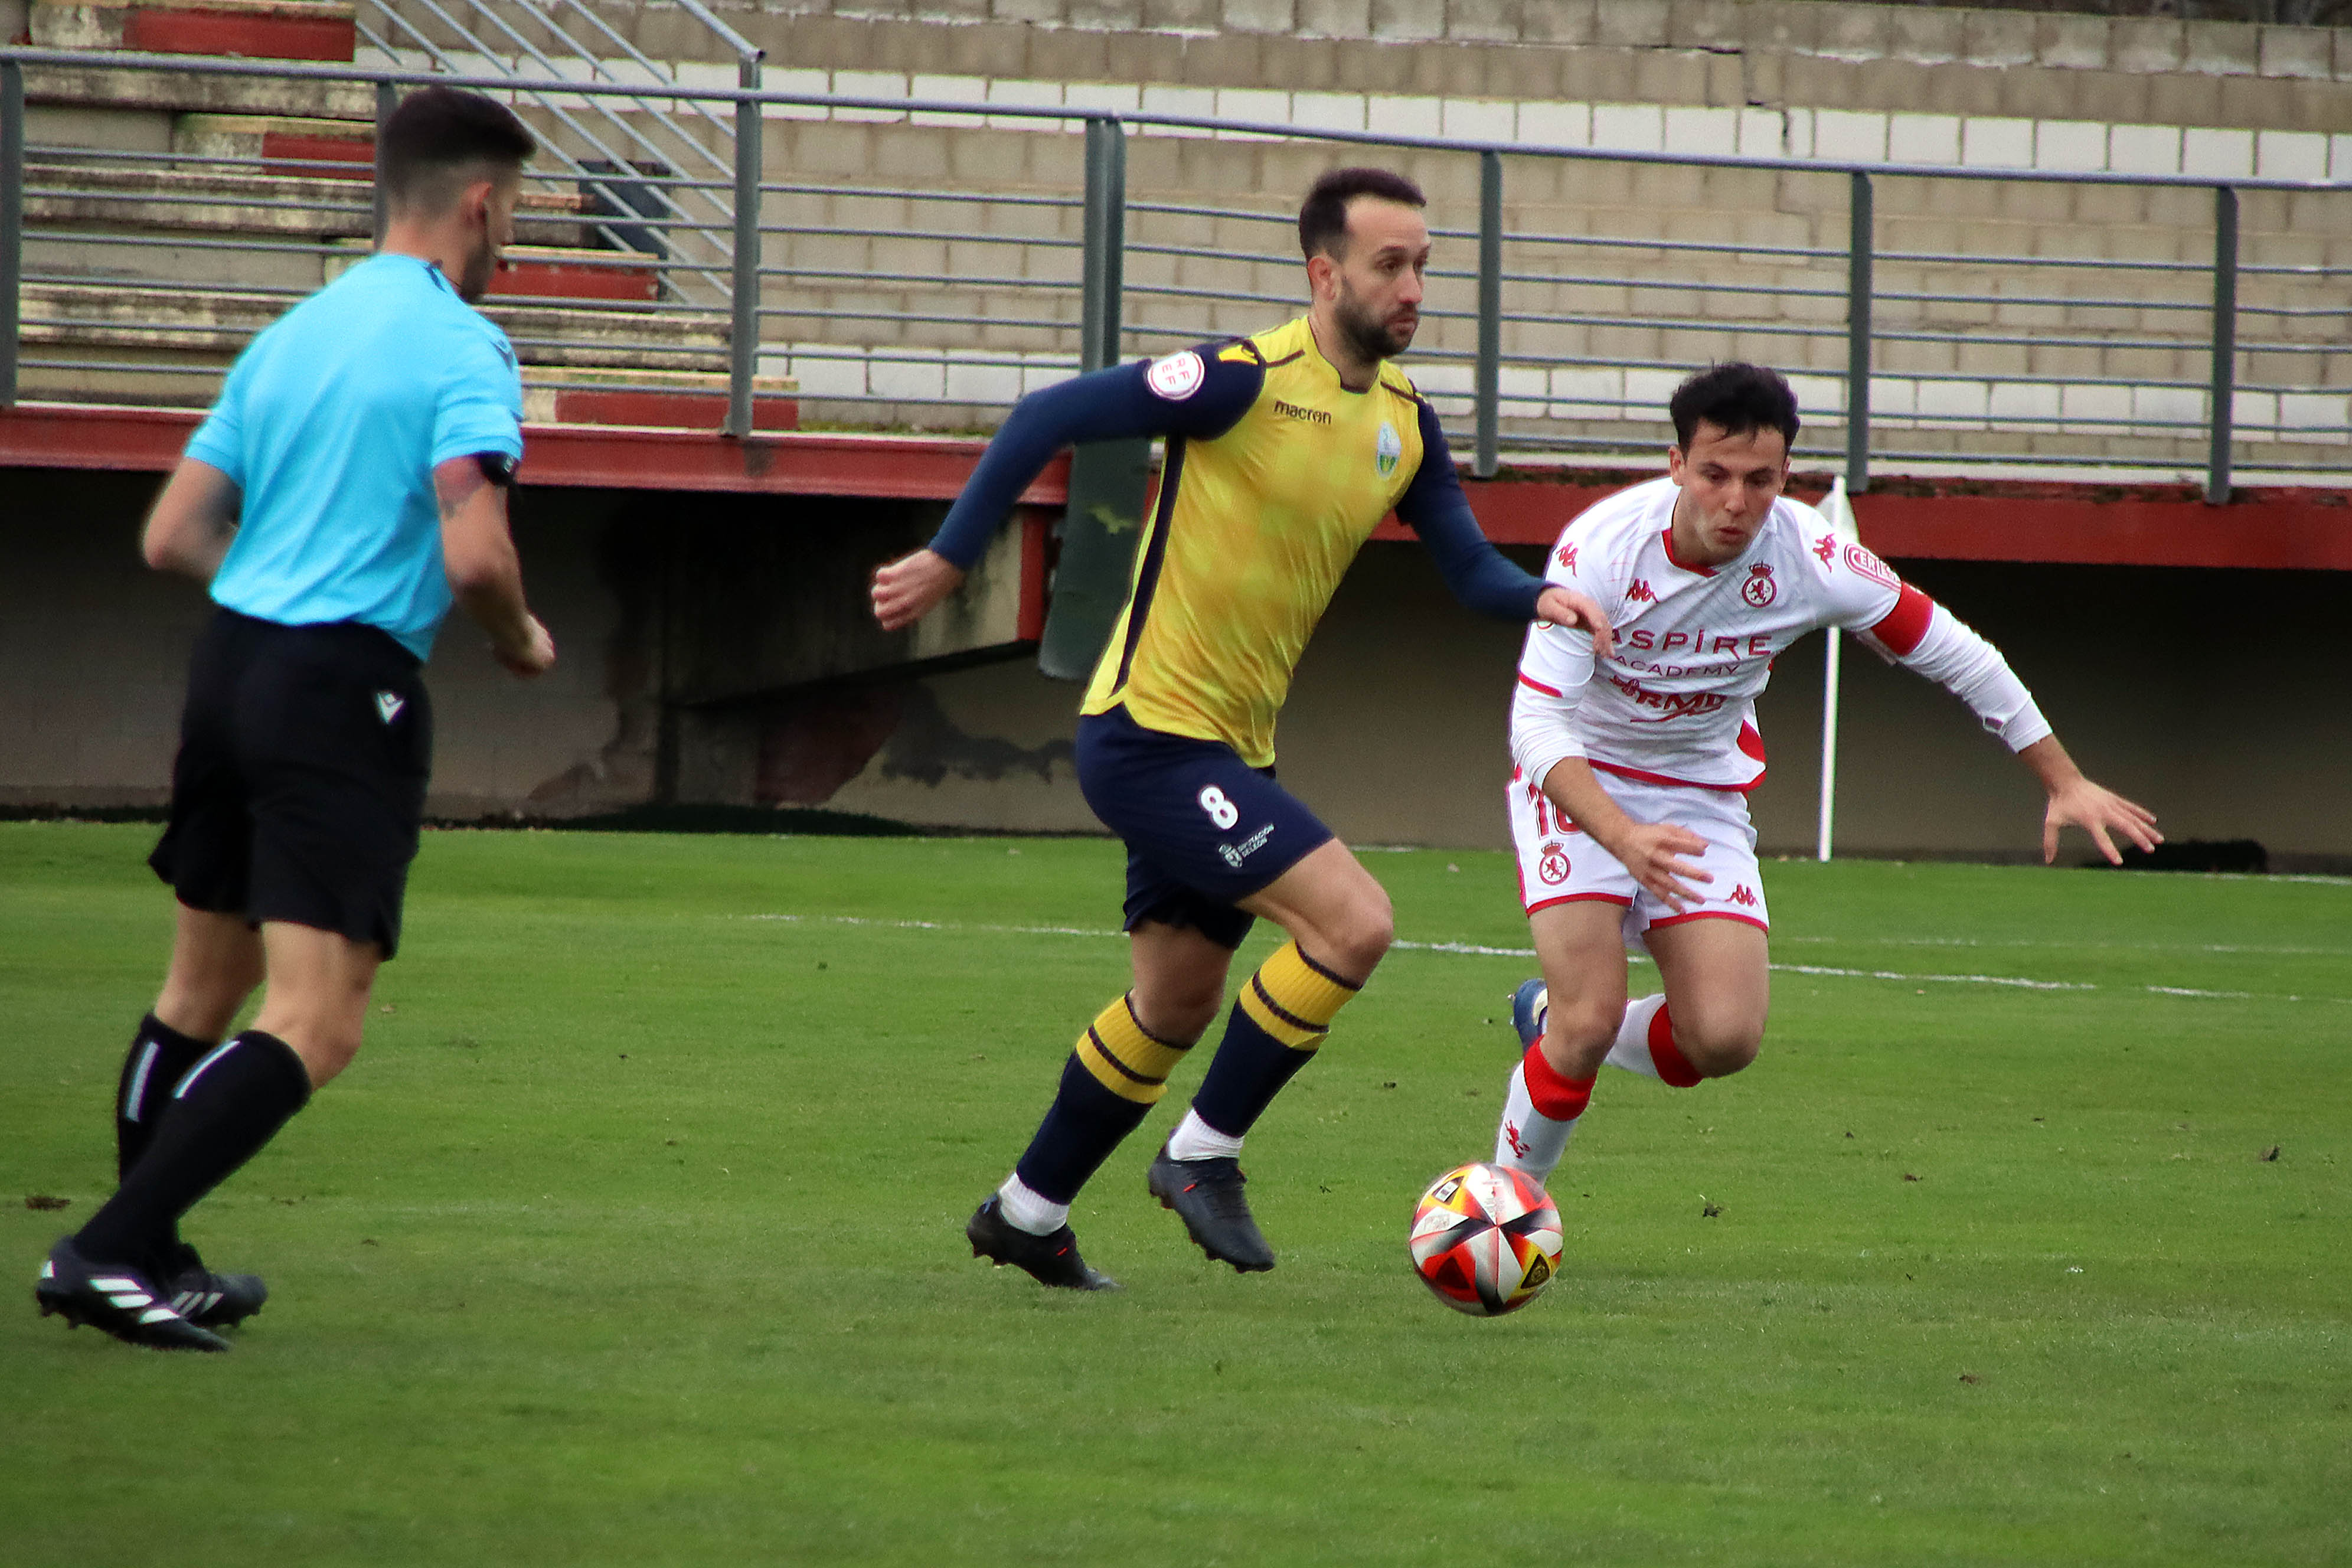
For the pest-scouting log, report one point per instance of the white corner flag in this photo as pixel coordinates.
(1838, 511)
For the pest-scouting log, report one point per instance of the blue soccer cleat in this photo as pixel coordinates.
(1529, 1005)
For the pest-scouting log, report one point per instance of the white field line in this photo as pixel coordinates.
(2256, 949)
(1479, 951)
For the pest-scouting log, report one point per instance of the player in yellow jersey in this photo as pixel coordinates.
(1284, 451)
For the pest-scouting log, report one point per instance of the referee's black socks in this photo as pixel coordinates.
(213, 1120)
(160, 1058)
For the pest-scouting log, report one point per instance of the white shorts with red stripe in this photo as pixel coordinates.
(1559, 863)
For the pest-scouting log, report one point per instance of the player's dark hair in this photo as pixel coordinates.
(440, 136)
(1323, 216)
(1738, 399)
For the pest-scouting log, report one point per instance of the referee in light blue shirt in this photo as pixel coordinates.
(350, 484)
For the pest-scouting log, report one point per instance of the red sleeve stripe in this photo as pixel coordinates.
(1906, 623)
(1526, 679)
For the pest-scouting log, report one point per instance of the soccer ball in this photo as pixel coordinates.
(1485, 1238)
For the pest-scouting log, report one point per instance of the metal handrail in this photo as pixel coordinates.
(1101, 285)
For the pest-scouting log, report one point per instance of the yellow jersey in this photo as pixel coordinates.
(1248, 538)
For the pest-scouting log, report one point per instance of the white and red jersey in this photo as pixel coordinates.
(1675, 703)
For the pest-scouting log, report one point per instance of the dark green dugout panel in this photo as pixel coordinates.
(1107, 483)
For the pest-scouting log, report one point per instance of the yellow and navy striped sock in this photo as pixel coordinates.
(1116, 1073)
(1281, 1016)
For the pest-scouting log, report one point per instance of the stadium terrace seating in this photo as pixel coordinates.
(169, 216)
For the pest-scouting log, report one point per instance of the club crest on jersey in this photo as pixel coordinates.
(1176, 377)
(1388, 451)
(1759, 590)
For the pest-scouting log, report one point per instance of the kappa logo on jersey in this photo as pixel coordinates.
(1759, 590)
(1744, 894)
(1568, 556)
(1176, 377)
(1638, 593)
(1826, 548)
(1388, 451)
(1553, 867)
(1865, 565)
(388, 705)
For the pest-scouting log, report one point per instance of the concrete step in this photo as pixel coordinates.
(212, 202)
(281, 144)
(110, 88)
(255, 29)
(218, 322)
(678, 400)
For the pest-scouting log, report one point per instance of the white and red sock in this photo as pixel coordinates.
(1645, 1045)
(1540, 1109)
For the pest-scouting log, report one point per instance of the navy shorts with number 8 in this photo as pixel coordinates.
(1203, 829)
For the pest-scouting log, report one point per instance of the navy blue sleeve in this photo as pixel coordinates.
(1166, 396)
(1433, 507)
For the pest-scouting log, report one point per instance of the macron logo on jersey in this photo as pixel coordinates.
(388, 705)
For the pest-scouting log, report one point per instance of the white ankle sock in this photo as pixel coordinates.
(1631, 1050)
(1025, 1208)
(1528, 1140)
(1196, 1140)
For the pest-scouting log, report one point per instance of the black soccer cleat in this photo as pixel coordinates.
(115, 1299)
(1531, 1005)
(1048, 1259)
(207, 1299)
(1206, 1195)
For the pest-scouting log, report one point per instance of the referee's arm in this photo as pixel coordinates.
(193, 522)
(485, 574)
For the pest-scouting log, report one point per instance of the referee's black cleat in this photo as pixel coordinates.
(1206, 1195)
(117, 1300)
(207, 1299)
(1048, 1259)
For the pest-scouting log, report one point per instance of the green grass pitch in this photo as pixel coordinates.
(633, 1237)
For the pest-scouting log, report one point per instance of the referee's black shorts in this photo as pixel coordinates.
(298, 789)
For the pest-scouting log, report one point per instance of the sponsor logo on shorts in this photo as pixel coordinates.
(388, 705)
(1176, 377)
(1388, 451)
(1552, 865)
(1744, 895)
(1235, 854)
(1759, 590)
(1292, 411)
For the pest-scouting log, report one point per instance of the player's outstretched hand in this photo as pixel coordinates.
(1648, 850)
(1571, 608)
(535, 657)
(908, 588)
(2099, 812)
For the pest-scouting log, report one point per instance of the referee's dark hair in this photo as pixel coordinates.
(1323, 217)
(440, 139)
(1737, 398)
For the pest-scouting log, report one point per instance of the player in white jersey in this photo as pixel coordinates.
(1628, 802)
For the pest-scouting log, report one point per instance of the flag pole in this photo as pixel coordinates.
(1838, 511)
